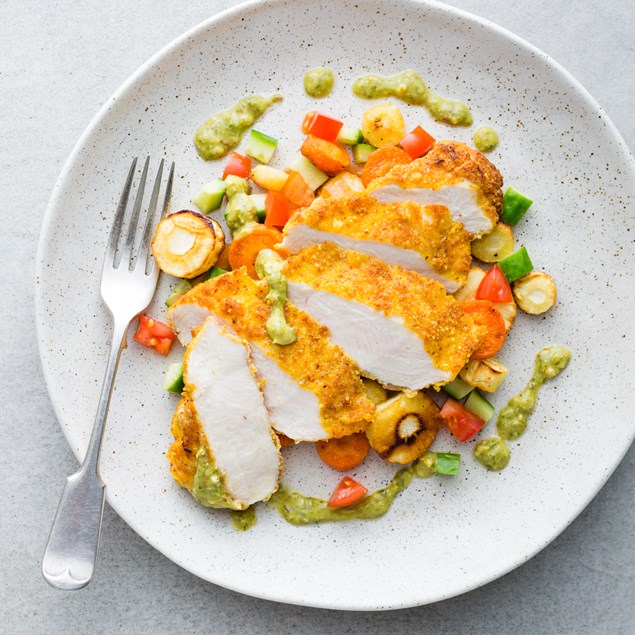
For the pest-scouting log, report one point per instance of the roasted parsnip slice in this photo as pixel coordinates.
(535, 292)
(404, 427)
(186, 244)
(485, 374)
(383, 125)
(495, 245)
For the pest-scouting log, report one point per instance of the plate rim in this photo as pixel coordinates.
(49, 215)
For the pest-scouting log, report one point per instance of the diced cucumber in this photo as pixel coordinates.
(311, 175)
(214, 272)
(516, 265)
(349, 136)
(210, 196)
(447, 463)
(179, 290)
(515, 205)
(361, 152)
(478, 405)
(173, 378)
(260, 146)
(458, 388)
(259, 202)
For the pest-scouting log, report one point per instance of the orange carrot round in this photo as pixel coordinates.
(244, 249)
(325, 155)
(485, 315)
(345, 453)
(381, 161)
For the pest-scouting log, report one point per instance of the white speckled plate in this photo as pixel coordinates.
(443, 536)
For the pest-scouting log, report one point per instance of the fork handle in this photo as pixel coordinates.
(71, 550)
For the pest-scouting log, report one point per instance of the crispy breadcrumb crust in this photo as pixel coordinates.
(312, 360)
(449, 163)
(448, 333)
(443, 243)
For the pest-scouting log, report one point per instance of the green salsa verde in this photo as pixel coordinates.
(318, 82)
(208, 487)
(485, 139)
(409, 87)
(241, 211)
(243, 519)
(493, 453)
(224, 130)
(269, 267)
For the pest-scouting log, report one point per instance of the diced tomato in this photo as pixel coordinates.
(238, 165)
(346, 493)
(296, 191)
(277, 208)
(417, 143)
(154, 334)
(459, 421)
(494, 287)
(324, 127)
(307, 120)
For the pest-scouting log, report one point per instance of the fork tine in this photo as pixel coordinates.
(128, 250)
(166, 206)
(152, 210)
(113, 240)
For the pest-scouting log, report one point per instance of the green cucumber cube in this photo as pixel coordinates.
(311, 175)
(210, 196)
(515, 205)
(173, 379)
(349, 136)
(260, 146)
(447, 463)
(478, 405)
(259, 202)
(458, 388)
(516, 265)
(361, 152)
(214, 272)
(179, 290)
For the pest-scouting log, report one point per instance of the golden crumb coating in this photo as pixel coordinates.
(312, 361)
(448, 333)
(188, 439)
(443, 243)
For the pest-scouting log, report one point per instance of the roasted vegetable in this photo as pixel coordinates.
(187, 243)
(269, 178)
(344, 453)
(343, 184)
(375, 391)
(485, 374)
(383, 125)
(327, 156)
(494, 246)
(535, 292)
(404, 427)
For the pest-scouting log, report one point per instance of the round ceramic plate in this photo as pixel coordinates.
(444, 535)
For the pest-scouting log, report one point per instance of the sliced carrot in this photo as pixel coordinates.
(308, 118)
(485, 315)
(325, 155)
(296, 191)
(343, 184)
(285, 441)
(381, 161)
(244, 250)
(345, 453)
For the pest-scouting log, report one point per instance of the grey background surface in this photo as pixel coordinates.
(59, 61)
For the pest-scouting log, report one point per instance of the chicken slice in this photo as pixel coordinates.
(223, 423)
(401, 328)
(312, 389)
(424, 239)
(453, 175)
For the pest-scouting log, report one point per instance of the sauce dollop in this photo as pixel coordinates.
(318, 82)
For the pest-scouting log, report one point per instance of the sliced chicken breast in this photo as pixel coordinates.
(423, 238)
(223, 420)
(453, 175)
(312, 389)
(401, 328)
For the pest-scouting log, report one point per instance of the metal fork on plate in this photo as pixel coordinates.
(128, 281)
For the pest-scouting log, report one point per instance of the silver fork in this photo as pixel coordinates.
(127, 287)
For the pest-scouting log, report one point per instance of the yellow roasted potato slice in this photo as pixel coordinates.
(404, 427)
(374, 391)
(494, 246)
(383, 125)
(485, 374)
(187, 244)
